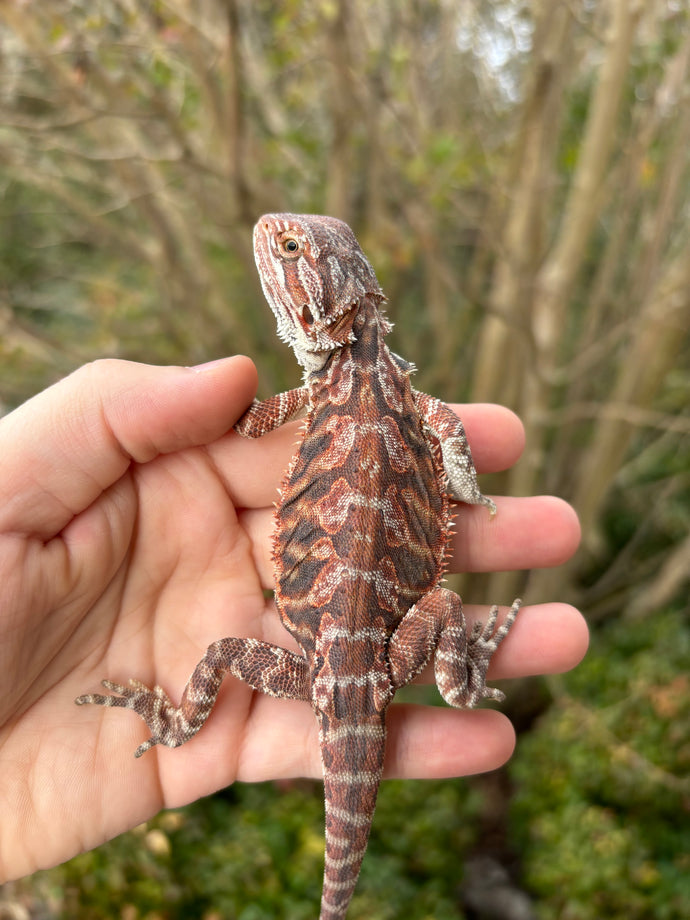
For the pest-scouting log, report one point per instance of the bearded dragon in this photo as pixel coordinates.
(361, 533)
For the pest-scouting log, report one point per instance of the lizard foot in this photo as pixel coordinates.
(482, 642)
(165, 720)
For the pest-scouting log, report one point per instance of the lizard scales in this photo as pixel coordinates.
(360, 539)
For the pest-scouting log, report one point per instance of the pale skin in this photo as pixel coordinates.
(134, 531)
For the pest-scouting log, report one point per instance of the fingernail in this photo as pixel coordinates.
(208, 365)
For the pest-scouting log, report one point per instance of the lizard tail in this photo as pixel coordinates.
(353, 764)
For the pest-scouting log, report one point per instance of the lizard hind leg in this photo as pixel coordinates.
(435, 626)
(263, 666)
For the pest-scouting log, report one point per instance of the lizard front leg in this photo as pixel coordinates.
(271, 413)
(265, 667)
(435, 626)
(455, 451)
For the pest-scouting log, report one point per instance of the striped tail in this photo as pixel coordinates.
(353, 764)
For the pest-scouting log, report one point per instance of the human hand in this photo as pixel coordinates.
(135, 530)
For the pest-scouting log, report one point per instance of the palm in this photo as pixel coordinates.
(167, 568)
(164, 557)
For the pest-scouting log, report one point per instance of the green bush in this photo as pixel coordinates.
(601, 805)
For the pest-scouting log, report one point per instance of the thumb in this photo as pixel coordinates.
(64, 447)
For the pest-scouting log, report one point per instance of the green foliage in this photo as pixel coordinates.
(601, 804)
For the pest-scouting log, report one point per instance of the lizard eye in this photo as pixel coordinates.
(307, 315)
(290, 246)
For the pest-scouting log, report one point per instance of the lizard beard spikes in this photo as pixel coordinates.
(361, 530)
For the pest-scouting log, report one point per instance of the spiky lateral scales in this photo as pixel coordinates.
(360, 539)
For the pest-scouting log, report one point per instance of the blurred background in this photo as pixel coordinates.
(518, 174)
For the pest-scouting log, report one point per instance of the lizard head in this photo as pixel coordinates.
(314, 276)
